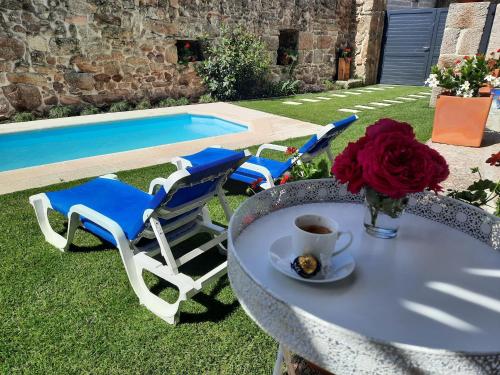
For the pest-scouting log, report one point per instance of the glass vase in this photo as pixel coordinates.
(383, 214)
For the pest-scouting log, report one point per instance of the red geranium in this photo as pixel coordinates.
(291, 150)
(391, 161)
(494, 159)
(187, 45)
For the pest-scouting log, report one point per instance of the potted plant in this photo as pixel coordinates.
(461, 114)
(344, 71)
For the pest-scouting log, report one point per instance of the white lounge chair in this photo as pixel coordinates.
(266, 170)
(173, 211)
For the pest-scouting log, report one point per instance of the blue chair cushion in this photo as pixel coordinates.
(276, 168)
(210, 154)
(114, 199)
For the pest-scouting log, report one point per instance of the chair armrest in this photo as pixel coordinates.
(158, 181)
(270, 146)
(180, 162)
(96, 217)
(260, 169)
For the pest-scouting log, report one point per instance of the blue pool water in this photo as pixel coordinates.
(37, 147)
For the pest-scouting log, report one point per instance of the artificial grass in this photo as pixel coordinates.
(323, 112)
(75, 312)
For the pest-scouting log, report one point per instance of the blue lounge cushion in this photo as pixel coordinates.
(209, 155)
(114, 199)
(276, 168)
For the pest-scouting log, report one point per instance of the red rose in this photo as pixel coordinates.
(391, 161)
(346, 167)
(466, 57)
(387, 125)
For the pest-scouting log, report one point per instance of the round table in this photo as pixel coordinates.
(427, 301)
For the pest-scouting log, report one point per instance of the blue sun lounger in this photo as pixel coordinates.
(173, 211)
(270, 170)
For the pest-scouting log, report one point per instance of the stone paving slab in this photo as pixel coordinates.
(292, 103)
(339, 95)
(263, 128)
(407, 99)
(310, 100)
(323, 98)
(380, 104)
(352, 93)
(417, 96)
(348, 110)
(364, 107)
(392, 101)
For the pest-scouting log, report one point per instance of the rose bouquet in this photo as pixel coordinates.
(389, 163)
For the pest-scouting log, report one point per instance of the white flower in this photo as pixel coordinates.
(492, 80)
(432, 81)
(468, 94)
(465, 86)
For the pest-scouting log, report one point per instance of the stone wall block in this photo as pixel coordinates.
(81, 81)
(494, 43)
(306, 41)
(450, 41)
(467, 15)
(23, 97)
(11, 48)
(469, 40)
(28, 78)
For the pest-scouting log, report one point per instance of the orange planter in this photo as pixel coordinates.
(460, 121)
(344, 68)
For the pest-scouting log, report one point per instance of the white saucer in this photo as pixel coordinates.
(282, 255)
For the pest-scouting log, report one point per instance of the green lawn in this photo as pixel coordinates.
(76, 313)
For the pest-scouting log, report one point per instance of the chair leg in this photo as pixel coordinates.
(41, 204)
(134, 266)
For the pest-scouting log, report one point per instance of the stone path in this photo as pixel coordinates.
(356, 108)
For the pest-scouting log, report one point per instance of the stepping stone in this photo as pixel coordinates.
(322, 98)
(392, 101)
(338, 95)
(407, 99)
(388, 87)
(352, 93)
(310, 100)
(425, 93)
(364, 107)
(369, 88)
(348, 110)
(417, 96)
(376, 88)
(365, 91)
(292, 103)
(380, 104)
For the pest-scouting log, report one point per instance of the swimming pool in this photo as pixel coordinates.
(38, 147)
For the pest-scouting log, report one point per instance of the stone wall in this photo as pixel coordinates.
(494, 42)
(368, 30)
(93, 51)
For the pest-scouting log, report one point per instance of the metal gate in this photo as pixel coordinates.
(411, 45)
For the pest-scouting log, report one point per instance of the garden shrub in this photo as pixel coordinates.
(281, 88)
(236, 65)
(168, 102)
(183, 101)
(206, 98)
(143, 104)
(89, 110)
(171, 102)
(23, 116)
(119, 107)
(329, 85)
(60, 111)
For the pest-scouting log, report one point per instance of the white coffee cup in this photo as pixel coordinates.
(307, 240)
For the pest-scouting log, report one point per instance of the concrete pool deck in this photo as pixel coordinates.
(262, 128)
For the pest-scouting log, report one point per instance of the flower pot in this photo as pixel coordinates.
(460, 121)
(344, 69)
(485, 90)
